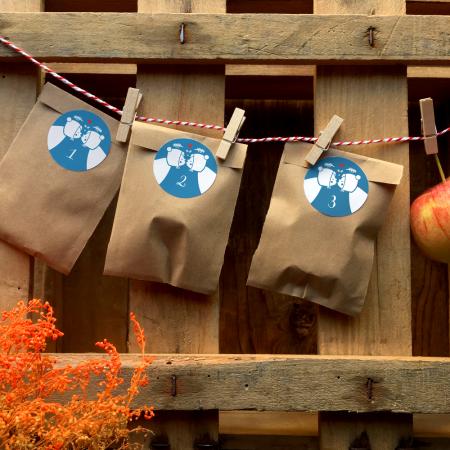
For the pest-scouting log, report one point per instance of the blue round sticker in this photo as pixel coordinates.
(336, 186)
(79, 140)
(185, 168)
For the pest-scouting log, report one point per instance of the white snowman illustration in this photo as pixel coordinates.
(92, 140)
(73, 128)
(197, 162)
(175, 156)
(326, 177)
(348, 182)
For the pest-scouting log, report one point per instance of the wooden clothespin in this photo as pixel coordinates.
(324, 141)
(429, 132)
(132, 101)
(428, 126)
(231, 133)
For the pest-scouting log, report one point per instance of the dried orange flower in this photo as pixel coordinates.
(31, 417)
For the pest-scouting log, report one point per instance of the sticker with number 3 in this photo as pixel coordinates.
(332, 202)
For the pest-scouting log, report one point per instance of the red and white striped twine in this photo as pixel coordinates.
(87, 94)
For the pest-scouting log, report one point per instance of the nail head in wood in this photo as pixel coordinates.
(132, 101)
(182, 35)
(324, 141)
(231, 133)
(173, 389)
(428, 126)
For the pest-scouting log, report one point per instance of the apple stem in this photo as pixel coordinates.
(439, 165)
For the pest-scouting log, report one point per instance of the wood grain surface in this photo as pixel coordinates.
(223, 38)
(181, 321)
(372, 100)
(18, 91)
(291, 383)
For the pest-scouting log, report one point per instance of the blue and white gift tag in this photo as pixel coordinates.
(336, 186)
(79, 140)
(185, 168)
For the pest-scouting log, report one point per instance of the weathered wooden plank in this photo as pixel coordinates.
(291, 383)
(22, 5)
(219, 38)
(85, 68)
(377, 330)
(428, 72)
(432, 425)
(18, 89)
(304, 70)
(348, 431)
(279, 423)
(239, 70)
(384, 326)
(179, 320)
(270, 70)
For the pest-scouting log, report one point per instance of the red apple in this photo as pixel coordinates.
(430, 222)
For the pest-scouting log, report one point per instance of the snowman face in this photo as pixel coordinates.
(175, 157)
(72, 129)
(92, 139)
(326, 177)
(348, 182)
(197, 162)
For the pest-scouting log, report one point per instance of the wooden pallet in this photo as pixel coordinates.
(295, 401)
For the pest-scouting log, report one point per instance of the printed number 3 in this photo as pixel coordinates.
(332, 202)
(182, 181)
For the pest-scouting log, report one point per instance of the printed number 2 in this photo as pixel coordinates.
(71, 155)
(182, 181)
(332, 202)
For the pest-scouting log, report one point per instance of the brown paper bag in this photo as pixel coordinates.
(158, 235)
(50, 202)
(318, 238)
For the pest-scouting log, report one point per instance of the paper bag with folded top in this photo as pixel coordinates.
(58, 177)
(319, 234)
(175, 208)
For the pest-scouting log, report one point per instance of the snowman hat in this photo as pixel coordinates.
(201, 152)
(358, 177)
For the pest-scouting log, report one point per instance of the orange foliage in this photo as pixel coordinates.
(31, 417)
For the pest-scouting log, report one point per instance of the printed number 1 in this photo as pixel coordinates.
(71, 155)
(332, 202)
